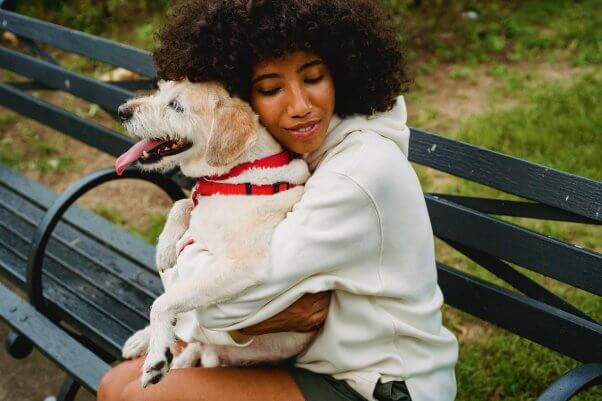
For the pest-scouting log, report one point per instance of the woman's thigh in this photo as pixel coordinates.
(213, 384)
(116, 379)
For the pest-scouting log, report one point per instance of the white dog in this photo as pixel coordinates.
(217, 138)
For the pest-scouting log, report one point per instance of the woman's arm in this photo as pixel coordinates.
(305, 315)
(335, 225)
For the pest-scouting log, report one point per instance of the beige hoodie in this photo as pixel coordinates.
(362, 229)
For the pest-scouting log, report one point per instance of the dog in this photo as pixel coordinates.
(216, 138)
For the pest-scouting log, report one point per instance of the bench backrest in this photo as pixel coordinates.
(465, 223)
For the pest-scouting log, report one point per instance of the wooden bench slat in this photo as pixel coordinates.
(91, 46)
(509, 174)
(556, 329)
(51, 340)
(105, 95)
(104, 331)
(84, 130)
(81, 287)
(113, 237)
(84, 250)
(579, 267)
(503, 207)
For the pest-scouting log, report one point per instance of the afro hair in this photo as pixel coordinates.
(220, 40)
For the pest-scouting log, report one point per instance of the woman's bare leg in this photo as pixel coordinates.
(115, 380)
(213, 384)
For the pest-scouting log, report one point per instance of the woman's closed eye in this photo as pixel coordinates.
(271, 92)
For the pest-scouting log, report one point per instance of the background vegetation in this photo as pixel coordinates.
(519, 77)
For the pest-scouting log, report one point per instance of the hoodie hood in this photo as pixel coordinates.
(390, 124)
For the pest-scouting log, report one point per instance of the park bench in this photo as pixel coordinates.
(89, 284)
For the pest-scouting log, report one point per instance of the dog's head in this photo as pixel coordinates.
(187, 124)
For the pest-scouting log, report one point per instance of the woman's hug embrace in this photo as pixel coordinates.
(258, 95)
(215, 245)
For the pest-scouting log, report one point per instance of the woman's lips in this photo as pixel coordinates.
(305, 133)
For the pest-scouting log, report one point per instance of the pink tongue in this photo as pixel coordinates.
(134, 153)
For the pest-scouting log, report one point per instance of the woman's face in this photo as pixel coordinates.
(294, 98)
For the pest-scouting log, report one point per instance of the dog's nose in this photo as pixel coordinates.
(124, 113)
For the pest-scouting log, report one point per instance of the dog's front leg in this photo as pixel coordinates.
(212, 283)
(175, 226)
(161, 343)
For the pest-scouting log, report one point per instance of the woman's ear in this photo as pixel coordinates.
(234, 132)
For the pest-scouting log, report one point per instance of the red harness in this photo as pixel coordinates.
(206, 186)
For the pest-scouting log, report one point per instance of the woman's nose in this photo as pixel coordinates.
(299, 103)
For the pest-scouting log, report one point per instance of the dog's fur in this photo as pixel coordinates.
(236, 230)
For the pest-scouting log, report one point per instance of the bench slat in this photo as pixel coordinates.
(84, 251)
(509, 174)
(561, 331)
(105, 95)
(94, 47)
(502, 207)
(84, 283)
(112, 237)
(86, 131)
(53, 342)
(581, 268)
(104, 331)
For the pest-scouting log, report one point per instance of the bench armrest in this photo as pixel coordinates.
(51, 340)
(572, 382)
(60, 206)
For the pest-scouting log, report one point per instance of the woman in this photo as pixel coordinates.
(323, 76)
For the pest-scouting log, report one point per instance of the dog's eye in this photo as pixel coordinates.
(174, 104)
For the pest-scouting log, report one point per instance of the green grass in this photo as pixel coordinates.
(559, 128)
(508, 31)
(508, 367)
(148, 228)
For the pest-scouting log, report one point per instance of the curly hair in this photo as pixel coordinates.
(220, 40)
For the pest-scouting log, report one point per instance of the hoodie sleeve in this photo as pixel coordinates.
(334, 224)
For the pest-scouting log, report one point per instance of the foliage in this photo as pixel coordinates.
(471, 31)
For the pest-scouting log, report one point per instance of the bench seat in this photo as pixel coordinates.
(97, 277)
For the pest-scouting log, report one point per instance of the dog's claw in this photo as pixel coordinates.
(153, 371)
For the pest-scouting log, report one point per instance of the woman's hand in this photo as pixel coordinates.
(308, 313)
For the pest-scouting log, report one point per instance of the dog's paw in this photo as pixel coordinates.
(137, 344)
(166, 256)
(156, 366)
(190, 357)
(209, 357)
(175, 226)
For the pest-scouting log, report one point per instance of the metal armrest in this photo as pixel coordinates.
(60, 206)
(573, 382)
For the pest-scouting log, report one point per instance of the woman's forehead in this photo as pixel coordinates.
(291, 60)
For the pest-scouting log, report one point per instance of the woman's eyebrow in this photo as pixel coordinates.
(276, 75)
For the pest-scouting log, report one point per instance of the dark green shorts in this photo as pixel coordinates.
(321, 387)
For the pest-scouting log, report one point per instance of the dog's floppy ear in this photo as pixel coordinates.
(233, 133)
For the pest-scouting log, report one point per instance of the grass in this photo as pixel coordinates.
(148, 229)
(510, 31)
(41, 155)
(559, 128)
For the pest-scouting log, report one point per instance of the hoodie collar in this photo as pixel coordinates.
(390, 124)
